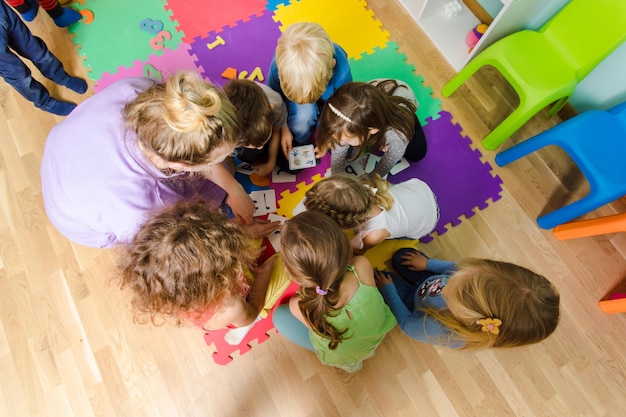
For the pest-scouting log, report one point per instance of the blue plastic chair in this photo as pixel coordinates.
(596, 142)
(545, 66)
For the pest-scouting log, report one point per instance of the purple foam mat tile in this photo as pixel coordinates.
(455, 173)
(249, 46)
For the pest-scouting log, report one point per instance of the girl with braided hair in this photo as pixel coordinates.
(375, 209)
(338, 313)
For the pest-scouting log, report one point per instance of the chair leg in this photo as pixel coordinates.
(591, 227)
(520, 150)
(514, 121)
(571, 211)
(557, 106)
(466, 72)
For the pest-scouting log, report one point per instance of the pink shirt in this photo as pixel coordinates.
(97, 185)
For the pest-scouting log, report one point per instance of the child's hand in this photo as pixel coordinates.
(265, 168)
(266, 268)
(414, 260)
(242, 206)
(260, 228)
(286, 139)
(382, 278)
(319, 153)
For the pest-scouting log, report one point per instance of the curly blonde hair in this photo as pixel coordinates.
(316, 253)
(185, 120)
(526, 303)
(305, 60)
(349, 200)
(185, 259)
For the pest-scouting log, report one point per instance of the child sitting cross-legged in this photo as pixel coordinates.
(373, 117)
(263, 116)
(191, 262)
(307, 68)
(477, 303)
(338, 313)
(375, 209)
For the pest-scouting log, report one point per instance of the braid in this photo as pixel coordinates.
(343, 199)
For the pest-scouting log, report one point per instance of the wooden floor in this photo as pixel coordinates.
(69, 347)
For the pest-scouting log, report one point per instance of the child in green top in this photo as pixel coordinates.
(338, 312)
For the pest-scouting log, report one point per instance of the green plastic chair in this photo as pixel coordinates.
(545, 66)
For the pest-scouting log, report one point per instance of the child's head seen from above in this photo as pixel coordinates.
(358, 114)
(255, 111)
(347, 199)
(305, 61)
(499, 304)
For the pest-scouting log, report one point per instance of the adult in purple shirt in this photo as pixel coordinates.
(134, 148)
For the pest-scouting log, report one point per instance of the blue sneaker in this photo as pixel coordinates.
(30, 15)
(68, 17)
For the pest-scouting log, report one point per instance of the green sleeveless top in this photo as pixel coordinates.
(367, 318)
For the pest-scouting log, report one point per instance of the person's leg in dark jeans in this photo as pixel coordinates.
(15, 36)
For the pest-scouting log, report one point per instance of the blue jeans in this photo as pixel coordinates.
(290, 327)
(16, 37)
(407, 281)
(301, 120)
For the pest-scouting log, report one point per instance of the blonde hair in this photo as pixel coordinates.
(304, 58)
(185, 259)
(349, 200)
(526, 303)
(316, 254)
(365, 106)
(185, 120)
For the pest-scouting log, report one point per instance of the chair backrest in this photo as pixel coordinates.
(587, 31)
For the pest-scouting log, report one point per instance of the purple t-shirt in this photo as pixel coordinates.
(98, 187)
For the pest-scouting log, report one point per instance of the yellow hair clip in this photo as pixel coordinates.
(490, 325)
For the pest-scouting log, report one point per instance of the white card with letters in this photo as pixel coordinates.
(279, 175)
(357, 167)
(245, 168)
(372, 161)
(400, 166)
(274, 237)
(264, 202)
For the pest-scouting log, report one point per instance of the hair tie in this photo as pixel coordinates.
(339, 114)
(373, 190)
(320, 291)
(491, 325)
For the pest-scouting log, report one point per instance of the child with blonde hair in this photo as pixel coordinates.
(477, 303)
(375, 209)
(263, 115)
(135, 147)
(306, 70)
(338, 313)
(189, 261)
(378, 116)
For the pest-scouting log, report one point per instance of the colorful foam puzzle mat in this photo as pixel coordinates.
(226, 40)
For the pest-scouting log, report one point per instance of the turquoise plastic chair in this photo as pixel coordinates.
(545, 66)
(596, 142)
